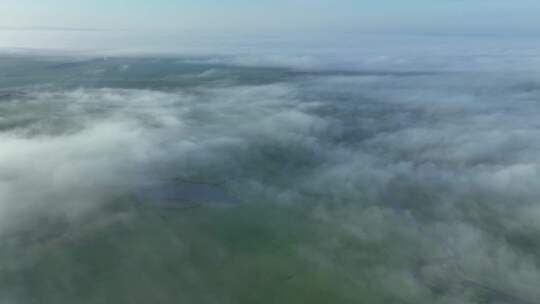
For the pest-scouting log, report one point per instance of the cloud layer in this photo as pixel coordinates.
(439, 169)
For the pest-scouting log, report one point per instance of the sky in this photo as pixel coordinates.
(419, 16)
(212, 26)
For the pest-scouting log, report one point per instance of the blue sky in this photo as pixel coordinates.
(459, 16)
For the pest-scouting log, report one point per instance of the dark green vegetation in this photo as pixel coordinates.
(150, 73)
(249, 254)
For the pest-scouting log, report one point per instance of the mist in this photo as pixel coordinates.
(397, 170)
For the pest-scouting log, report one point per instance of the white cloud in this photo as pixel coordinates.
(440, 169)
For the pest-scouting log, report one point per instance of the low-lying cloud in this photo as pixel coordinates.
(442, 169)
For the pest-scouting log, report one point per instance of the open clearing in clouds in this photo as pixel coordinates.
(418, 184)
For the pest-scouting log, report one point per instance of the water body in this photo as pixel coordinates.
(184, 194)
